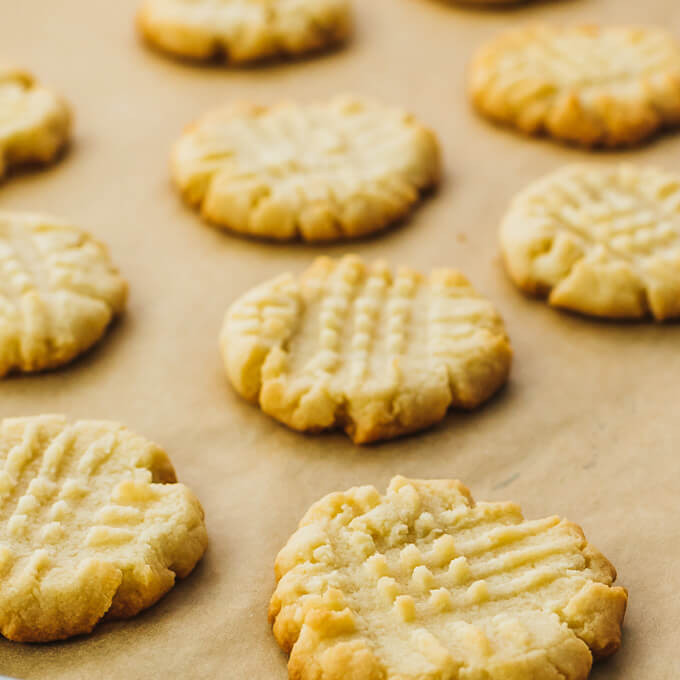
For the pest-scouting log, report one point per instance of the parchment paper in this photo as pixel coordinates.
(587, 428)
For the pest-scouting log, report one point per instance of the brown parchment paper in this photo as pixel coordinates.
(588, 426)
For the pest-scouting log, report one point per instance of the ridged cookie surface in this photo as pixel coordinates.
(425, 583)
(34, 122)
(320, 172)
(602, 240)
(358, 346)
(592, 86)
(243, 31)
(92, 526)
(58, 292)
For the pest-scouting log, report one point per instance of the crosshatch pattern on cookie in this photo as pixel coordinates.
(602, 240)
(241, 31)
(58, 292)
(320, 172)
(34, 122)
(593, 86)
(358, 346)
(424, 582)
(92, 525)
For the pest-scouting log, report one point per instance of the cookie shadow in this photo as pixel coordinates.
(33, 170)
(459, 417)
(491, 7)
(539, 303)
(219, 62)
(455, 417)
(597, 152)
(333, 247)
(619, 664)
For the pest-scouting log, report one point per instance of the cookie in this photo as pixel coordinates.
(425, 583)
(357, 346)
(58, 292)
(242, 31)
(320, 172)
(34, 122)
(589, 86)
(92, 526)
(603, 240)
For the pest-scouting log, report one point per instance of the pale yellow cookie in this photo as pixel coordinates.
(323, 171)
(58, 292)
(92, 525)
(602, 240)
(243, 31)
(424, 583)
(591, 86)
(361, 347)
(34, 122)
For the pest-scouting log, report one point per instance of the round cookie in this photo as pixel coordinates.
(357, 346)
(591, 86)
(602, 240)
(58, 292)
(242, 31)
(425, 583)
(34, 122)
(92, 526)
(320, 172)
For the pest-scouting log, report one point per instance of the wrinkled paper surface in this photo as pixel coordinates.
(587, 428)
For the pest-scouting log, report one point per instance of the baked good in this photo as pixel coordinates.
(359, 346)
(603, 240)
(425, 583)
(58, 292)
(587, 85)
(242, 31)
(92, 526)
(320, 172)
(34, 121)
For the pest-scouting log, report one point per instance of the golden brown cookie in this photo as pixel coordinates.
(425, 583)
(362, 347)
(602, 240)
(92, 526)
(58, 292)
(321, 172)
(34, 122)
(242, 31)
(587, 85)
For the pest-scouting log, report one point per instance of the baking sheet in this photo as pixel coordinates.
(586, 428)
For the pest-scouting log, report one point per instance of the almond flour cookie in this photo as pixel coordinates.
(92, 525)
(320, 172)
(34, 122)
(425, 583)
(600, 240)
(590, 86)
(58, 292)
(360, 347)
(243, 31)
